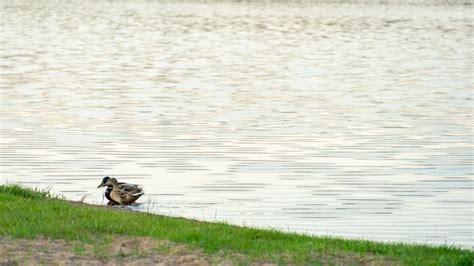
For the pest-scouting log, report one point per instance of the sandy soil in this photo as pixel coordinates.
(122, 251)
(135, 251)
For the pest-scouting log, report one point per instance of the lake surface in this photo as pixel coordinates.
(352, 120)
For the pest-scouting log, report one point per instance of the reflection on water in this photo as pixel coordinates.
(349, 120)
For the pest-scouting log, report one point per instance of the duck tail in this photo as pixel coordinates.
(138, 194)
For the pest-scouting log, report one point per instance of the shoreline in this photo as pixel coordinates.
(97, 234)
(252, 226)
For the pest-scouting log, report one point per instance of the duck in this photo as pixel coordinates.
(125, 193)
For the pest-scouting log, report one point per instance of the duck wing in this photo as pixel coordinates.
(130, 188)
(128, 197)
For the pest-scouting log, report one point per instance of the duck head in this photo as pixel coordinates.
(104, 181)
(111, 182)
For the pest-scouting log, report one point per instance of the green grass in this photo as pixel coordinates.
(28, 214)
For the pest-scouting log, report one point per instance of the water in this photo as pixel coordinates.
(352, 120)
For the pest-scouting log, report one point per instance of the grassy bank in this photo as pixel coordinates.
(30, 214)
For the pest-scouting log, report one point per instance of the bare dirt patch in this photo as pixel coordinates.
(122, 251)
(138, 251)
(354, 259)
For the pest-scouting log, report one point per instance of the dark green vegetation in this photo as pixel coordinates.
(30, 214)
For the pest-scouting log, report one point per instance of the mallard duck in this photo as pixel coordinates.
(125, 193)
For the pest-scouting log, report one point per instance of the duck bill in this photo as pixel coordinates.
(101, 185)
